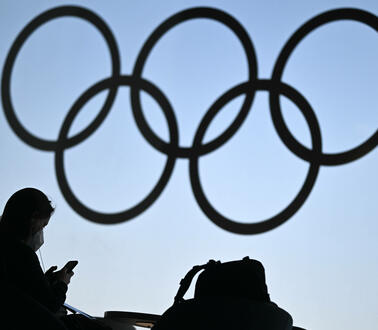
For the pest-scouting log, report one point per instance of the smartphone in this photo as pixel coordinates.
(69, 266)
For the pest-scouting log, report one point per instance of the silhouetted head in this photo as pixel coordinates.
(26, 212)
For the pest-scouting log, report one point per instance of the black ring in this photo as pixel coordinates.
(292, 208)
(79, 207)
(180, 17)
(46, 16)
(285, 135)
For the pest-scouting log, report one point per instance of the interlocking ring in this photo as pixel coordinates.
(171, 22)
(287, 138)
(41, 19)
(314, 156)
(132, 212)
(265, 225)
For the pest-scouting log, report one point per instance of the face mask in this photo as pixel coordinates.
(36, 241)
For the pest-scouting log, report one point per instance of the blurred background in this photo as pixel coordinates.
(321, 265)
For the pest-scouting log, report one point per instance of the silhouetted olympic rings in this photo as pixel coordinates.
(172, 149)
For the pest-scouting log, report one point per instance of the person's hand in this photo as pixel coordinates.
(63, 275)
(50, 274)
(51, 270)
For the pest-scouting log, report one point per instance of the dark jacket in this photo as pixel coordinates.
(21, 270)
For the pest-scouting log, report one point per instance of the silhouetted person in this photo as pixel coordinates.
(231, 295)
(26, 214)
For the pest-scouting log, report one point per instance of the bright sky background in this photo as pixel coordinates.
(321, 265)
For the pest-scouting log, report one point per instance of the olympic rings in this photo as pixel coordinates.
(172, 149)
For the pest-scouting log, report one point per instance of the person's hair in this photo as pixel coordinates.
(20, 208)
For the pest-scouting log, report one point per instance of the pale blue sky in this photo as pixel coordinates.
(321, 265)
